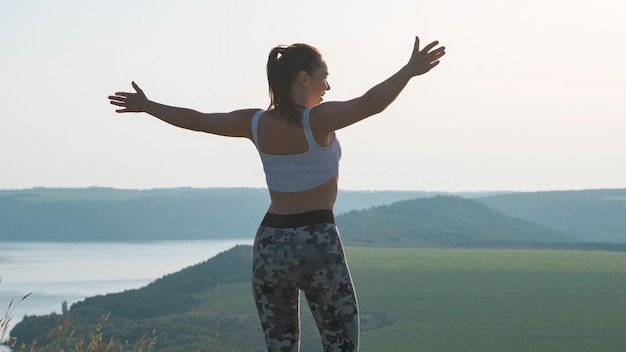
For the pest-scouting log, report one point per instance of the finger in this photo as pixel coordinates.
(136, 87)
(121, 94)
(117, 103)
(435, 55)
(117, 98)
(429, 47)
(416, 46)
(127, 110)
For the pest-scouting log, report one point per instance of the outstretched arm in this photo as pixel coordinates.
(332, 116)
(232, 124)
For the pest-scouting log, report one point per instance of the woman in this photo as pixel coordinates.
(297, 246)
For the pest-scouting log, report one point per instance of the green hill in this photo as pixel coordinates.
(444, 221)
(595, 215)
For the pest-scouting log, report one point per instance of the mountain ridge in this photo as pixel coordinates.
(598, 215)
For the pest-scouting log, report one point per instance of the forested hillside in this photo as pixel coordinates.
(596, 215)
(444, 221)
(118, 215)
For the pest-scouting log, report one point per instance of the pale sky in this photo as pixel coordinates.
(530, 96)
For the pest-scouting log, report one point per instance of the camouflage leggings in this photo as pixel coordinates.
(303, 252)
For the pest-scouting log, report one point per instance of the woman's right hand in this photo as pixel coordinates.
(130, 102)
(424, 60)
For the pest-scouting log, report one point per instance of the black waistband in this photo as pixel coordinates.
(301, 219)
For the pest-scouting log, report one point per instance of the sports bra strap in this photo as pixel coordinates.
(308, 133)
(255, 125)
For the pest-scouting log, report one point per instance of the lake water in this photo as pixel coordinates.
(58, 271)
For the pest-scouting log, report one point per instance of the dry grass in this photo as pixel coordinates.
(5, 321)
(66, 341)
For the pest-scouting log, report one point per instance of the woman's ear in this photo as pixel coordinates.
(303, 78)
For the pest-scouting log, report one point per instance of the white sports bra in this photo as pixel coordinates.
(299, 172)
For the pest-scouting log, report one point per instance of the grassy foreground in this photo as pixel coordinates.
(492, 300)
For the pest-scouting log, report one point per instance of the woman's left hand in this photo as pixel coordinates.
(424, 60)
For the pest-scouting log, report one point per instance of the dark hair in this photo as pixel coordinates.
(283, 66)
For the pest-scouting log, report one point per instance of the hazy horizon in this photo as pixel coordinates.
(340, 189)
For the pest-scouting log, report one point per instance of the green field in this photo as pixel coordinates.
(477, 300)
(492, 300)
